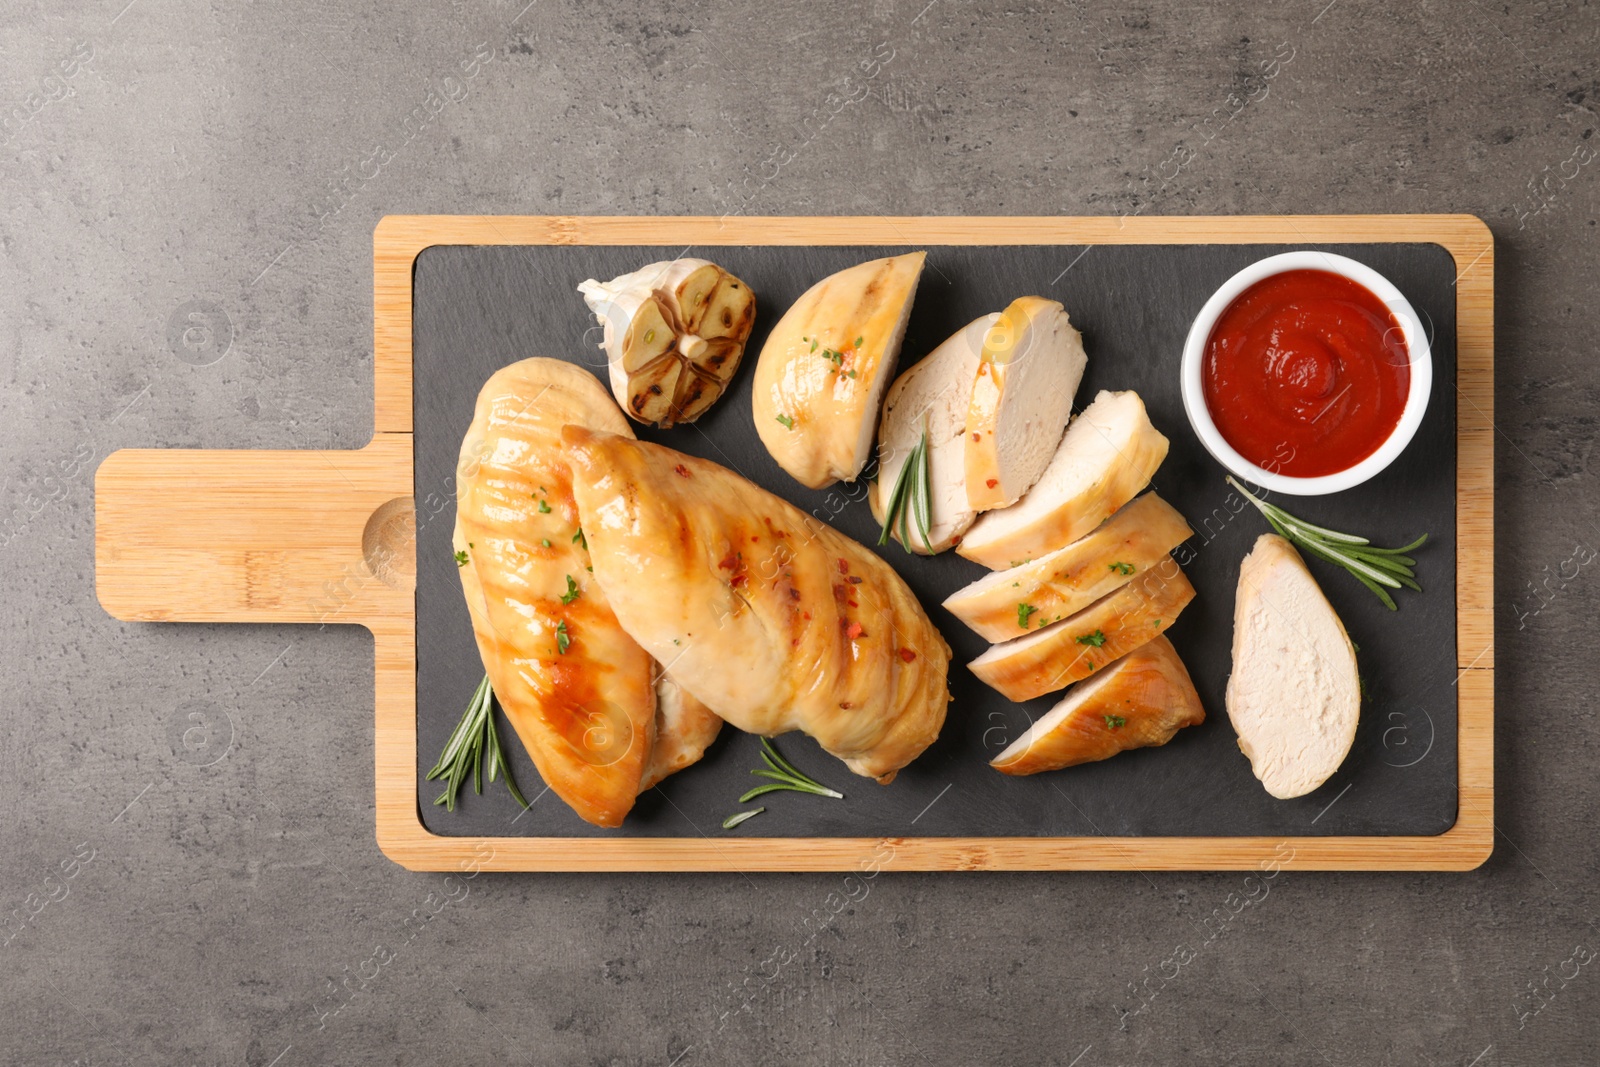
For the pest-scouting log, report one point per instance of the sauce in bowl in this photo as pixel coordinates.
(1306, 373)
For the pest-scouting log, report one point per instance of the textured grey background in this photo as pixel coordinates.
(239, 153)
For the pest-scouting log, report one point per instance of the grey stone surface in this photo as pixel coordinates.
(229, 159)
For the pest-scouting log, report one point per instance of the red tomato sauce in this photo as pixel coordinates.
(1306, 373)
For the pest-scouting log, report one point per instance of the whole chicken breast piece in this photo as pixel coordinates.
(579, 691)
(772, 619)
(822, 372)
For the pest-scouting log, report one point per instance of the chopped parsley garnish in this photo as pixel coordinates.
(461, 558)
(572, 592)
(1023, 611)
(1122, 568)
(580, 540)
(1096, 639)
(563, 639)
(788, 423)
(544, 507)
(545, 541)
(832, 355)
(1114, 721)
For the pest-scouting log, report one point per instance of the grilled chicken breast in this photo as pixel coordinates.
(1071, 650)
(1140, 700)
(685, 728)
(1107, 455)
(821, 375)
(1029, 370)
(931, 397)
(580, 693)
(1294, 696)
(577, 689)
(1069, 579)
(772, 619)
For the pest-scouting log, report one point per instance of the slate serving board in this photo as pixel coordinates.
(477, 308)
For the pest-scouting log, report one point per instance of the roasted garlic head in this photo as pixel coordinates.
(674, 334)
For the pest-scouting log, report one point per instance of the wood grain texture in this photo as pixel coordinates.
(322, 536)
(191, 536)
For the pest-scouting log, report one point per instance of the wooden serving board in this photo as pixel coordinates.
(332, 537)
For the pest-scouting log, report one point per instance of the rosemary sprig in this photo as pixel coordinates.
(1375, 568)
(740, 816)
(909, 498)
(785, 776)
(474, 747)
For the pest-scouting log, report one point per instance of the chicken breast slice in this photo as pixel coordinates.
(1069, 579)
(775, 621)
(1028, 373)
(822, 372)
(932, 395)
(1294, 696)
(1108, 454)
(1140, 700)
(1072, 649)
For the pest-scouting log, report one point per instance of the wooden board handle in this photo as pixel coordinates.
(290, 536)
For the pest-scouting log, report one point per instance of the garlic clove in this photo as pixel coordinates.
(674, 333)
(730, 311)
(718, 358)
(653, 389)
(694, 294)
(650, 336)
(695, 395)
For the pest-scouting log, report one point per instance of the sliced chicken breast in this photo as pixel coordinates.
(1072, 649)
(1028, 373)
(579, 691)
(1004, 604)
(1294, 696)
(821, 375)
(1107, 455)
(774, 620)
(1140, 700)
(932, 396)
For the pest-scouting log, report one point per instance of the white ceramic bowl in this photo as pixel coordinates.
(1194, 399)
